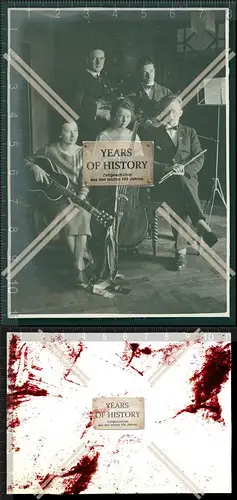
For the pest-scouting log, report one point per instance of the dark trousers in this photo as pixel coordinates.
(181, 194)
(180, 240)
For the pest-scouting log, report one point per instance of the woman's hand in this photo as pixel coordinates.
(40, 174)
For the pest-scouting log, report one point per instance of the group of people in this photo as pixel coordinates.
(106, 116)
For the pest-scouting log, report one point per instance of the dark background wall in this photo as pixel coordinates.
(56, 50)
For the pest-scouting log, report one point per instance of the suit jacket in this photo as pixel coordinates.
(83, 100)
(159, 91)
(140, 97)
(166, 152)
(88, 89)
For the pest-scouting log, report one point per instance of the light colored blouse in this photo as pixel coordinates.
(111, 135)
(66, 162)
(123, 135)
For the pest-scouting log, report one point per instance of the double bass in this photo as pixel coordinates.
(131, 210)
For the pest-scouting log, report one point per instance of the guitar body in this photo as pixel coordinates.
(49, 190)
(58, 187)
(133, 226)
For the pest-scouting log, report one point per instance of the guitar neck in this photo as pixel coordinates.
(73, 197)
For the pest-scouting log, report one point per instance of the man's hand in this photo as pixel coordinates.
(178, 169)
(40, 174)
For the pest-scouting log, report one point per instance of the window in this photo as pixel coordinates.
(188, 40)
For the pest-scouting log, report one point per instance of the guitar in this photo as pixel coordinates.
(58, 187)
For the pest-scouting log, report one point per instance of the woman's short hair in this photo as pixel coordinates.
(66, 122)
(121, 103)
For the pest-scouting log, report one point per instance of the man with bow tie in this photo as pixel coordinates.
(149, 88)
(145, 88)
(174, 145)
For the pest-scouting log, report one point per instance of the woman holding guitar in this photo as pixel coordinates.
(66, 155)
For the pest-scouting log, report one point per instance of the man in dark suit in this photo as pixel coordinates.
(174, 145)
(89, 97)
(145, 88)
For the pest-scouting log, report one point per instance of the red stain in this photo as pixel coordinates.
(24, 393)
(35, 367)
(20, 392)
(46, 481)
(14, 423)
(146, 350)
(132, 351)
(207, 383)
(23, 487)
(81, 475)
(88, 425)
(13, 357)
(73, 353)
(169, 352)
(26, 486)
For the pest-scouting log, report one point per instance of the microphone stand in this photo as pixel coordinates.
(216, 188)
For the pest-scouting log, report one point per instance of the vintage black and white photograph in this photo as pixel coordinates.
(153, 77)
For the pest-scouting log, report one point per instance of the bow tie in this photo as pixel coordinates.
(172, 128)
(148, 87)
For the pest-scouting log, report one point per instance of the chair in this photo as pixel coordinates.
(153, 216)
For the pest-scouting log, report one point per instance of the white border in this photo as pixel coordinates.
(8, 170)
(228, 241)
(91, 316)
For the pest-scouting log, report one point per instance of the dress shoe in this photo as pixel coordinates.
(210, 238)
(81, 279)
(180, 261)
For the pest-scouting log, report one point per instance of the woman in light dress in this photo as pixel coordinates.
(122, 114)
(66, 154)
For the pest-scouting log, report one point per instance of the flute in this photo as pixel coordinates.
(185, 165)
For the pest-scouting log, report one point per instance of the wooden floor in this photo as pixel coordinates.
(152, 286)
